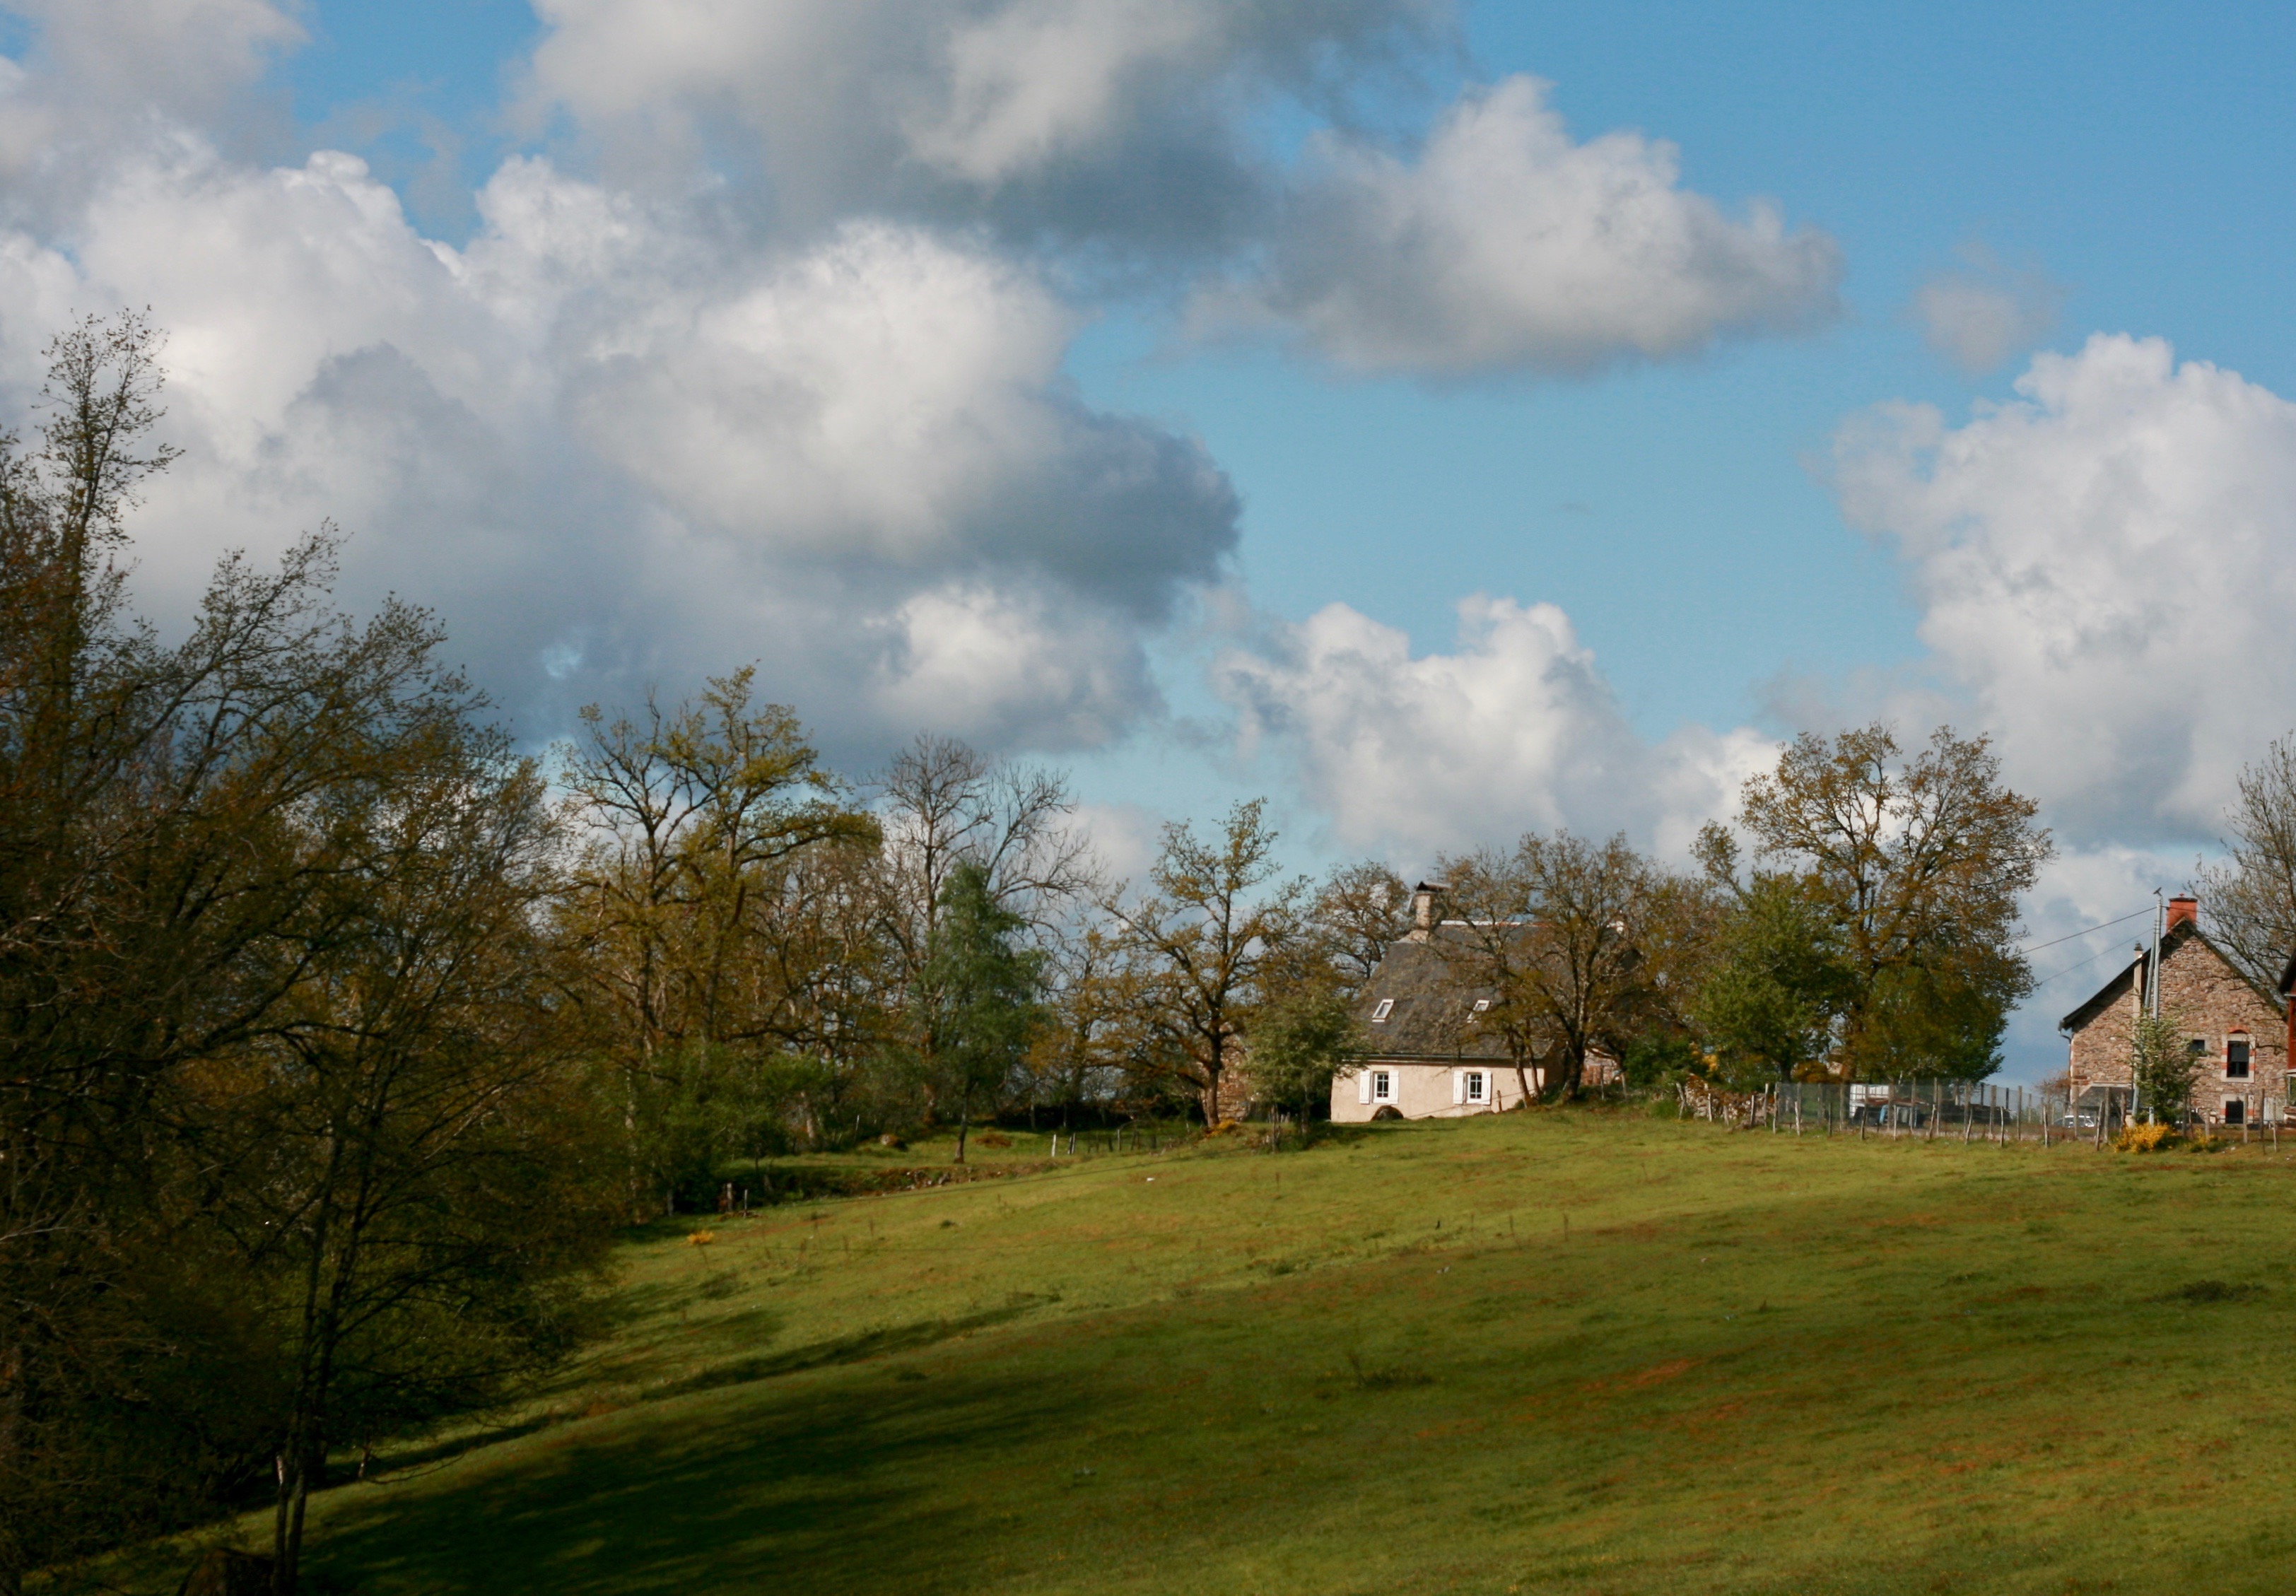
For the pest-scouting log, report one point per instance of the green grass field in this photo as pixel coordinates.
(1574, 1352)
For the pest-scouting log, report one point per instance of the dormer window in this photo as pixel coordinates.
(1386, 1007)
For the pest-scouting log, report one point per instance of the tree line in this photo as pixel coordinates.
(339, 1037)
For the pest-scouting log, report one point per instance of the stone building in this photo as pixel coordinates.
(1428, 1059)
(2237, 1030)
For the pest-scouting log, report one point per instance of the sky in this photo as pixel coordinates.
(1448, 420)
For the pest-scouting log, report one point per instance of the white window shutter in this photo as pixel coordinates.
(1458, 1085)
(1363, 1085)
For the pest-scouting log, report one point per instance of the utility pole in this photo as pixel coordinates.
(2151, 992)
(2152, 987)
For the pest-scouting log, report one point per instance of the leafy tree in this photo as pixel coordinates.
(678, 915)
(1775, 982)
(986, 989)
(2164, 1069)
(403, 1188)
(1915, 866)
(230, 869)
(1563, 933)
(1212, 924)
(1299, 1042)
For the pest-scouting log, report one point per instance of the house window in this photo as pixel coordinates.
(1383, 1086)
(2198, 1047)
(1476, 1084)
(2236, 1056)
(1386, 1007)
(2235, 1111)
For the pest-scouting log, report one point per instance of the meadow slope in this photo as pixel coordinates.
(1573, 1352)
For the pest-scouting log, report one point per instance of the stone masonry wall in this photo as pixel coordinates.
(2202, 995)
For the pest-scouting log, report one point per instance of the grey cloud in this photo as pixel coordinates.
(1979, 316)
(103, 77)
(1119, 124)
(611, 451)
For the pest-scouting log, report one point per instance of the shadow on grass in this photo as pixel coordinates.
(824, 1481)
(2203, 1292)
(842, 1349)
(739, 1371)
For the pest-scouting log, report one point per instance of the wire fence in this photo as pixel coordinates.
(1968, 1111)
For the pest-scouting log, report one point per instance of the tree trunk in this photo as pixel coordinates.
(963, 1120)
(12, 1406)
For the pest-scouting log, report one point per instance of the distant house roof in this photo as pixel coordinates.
(1430, 1009)
(2119, 986)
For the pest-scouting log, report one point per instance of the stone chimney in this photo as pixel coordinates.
(1424, 916)
(2183, 912)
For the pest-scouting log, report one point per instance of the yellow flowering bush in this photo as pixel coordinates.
(2144, 1138)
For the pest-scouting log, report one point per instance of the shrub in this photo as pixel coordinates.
(2144, 1138)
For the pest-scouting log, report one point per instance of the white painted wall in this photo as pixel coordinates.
(1425, 1090)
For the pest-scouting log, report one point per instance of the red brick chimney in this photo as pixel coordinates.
(2183, 912)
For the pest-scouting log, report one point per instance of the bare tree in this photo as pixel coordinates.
(1213, 919)
(946, 807)
(2250, 898)
(1556, 932)
(1093, 998)
(1358, 910)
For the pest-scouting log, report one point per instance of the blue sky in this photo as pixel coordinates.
(1085, 385)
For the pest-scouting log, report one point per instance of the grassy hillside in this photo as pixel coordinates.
(1552, 1353)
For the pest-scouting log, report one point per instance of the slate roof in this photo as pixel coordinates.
(2178, 935)
(1429, 1019)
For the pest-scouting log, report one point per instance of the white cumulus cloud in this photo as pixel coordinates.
(1507, 246)
(610, 447)
(1515, 730)
(2104, 568)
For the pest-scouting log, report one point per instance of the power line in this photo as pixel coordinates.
(2068, 968)
(2107, 926)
